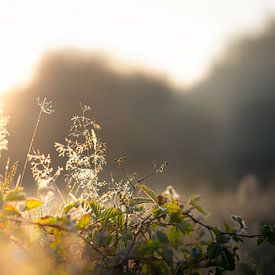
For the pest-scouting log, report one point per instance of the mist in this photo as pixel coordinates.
(213, 135)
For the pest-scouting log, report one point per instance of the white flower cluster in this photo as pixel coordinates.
(85, 157)
(45, 106)
(44, 174)
(118, 195)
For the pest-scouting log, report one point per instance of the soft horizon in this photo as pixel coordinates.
(178, 40)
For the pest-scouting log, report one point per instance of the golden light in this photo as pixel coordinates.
(177, 38)
(15, 69)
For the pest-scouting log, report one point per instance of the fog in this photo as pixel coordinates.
(216, 136)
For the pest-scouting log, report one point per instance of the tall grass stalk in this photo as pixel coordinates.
(45, 107)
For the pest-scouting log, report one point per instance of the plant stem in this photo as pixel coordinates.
(30, 147)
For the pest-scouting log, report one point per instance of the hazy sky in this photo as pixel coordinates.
(176, 37)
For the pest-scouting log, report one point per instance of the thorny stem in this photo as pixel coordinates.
(147, 176)
(223, 233)
(120, 163)
(125, 174)
(135, 238)
(200, 223)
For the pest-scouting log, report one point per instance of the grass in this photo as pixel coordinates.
(98, 227)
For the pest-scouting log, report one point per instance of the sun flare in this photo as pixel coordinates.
(177, 38)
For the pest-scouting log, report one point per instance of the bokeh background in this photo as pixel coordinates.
(190, 82)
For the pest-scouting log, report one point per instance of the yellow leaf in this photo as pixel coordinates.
(32, 203)
(47, 220)
(149, 192)
(84, 221)
(11, 210)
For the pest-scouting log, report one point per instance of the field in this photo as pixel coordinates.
(78, 224)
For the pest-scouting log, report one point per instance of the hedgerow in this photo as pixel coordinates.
(120, 227)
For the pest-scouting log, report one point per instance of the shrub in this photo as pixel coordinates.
(111, 228)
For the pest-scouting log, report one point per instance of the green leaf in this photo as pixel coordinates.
(200, 209)
(219, 271)
(265, 229)
(174, 235)
(228, 259)
(176, 218)
(220, 238)
(167, 255)
(172, 208)
(160, 236)
(31, 204)
(214, 250)
(70, 206)
(228, 228)
(196, 253)
(239, 220)
(96, 209)
(119, 220)
(16, 195)
(193, 200)
(159, 211)
(149, 192)
(268, 233)
(84, 221)
(174, 211)
(110, 213)
(140, 200)
(148, 247)
(102, 238)
(184, 226)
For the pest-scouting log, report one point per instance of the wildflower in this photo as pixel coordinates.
(44, 175)
(171, 192)
(85, 155)
(45, 106)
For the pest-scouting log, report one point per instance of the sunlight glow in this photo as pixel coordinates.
(177, 38)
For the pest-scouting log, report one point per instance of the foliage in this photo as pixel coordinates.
(118, 228)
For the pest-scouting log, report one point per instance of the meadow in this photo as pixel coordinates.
(79, 224)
